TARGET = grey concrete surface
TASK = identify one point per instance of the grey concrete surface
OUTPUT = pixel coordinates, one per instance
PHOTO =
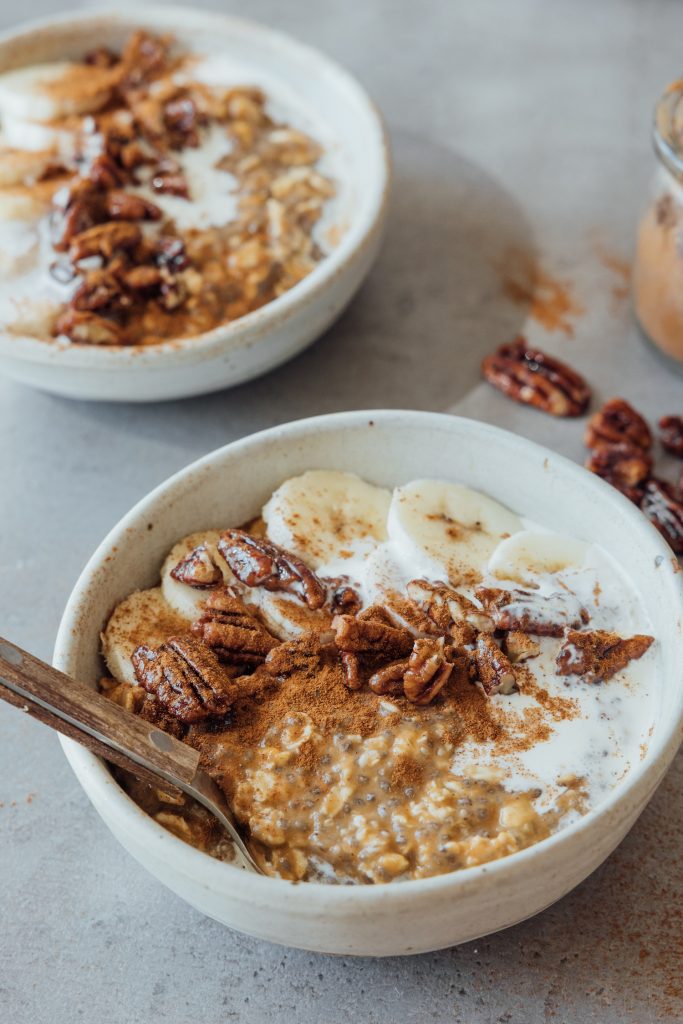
(517, 126)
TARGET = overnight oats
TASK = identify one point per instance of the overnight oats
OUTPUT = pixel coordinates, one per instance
(152, 194)
(387, 685)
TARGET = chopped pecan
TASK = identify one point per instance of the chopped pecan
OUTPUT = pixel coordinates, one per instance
(529, 375)
(625, 466)
(170, 252)
(371, 636)
(168, 179)
(301, 655)
(186, 678)
(105, 240)
(104, 173)
(197, 569)
(494, 669)
(665, 511)
(99, 290)
(448, 609)
(520, 647)
(78, 217)
(352, 670)
(428, 670)
(237, 636)
(88, 328)
(143, 278)
(531, 612)
(597, 655)
(100, 57)
(182, 120)
(259, 563)
(671, 434)
(388, 680)
(122, 205)
(342, 598)
(617, 422)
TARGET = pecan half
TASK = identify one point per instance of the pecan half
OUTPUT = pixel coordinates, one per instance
(353, 675)
(388, 680)
(237, 636)
(671, 434)
(197, 569)
(186, 678)
(448, 609)
(528, 375)
(494, 669)
(617, 422)
(122, 205)
(259, 563)
(520, 647)
(428, 670)
(105, 240)
(665, 511)
(597, 655)
(86, 328)
(371, 636)
(530, 612)
(342, 598)
(625, 466)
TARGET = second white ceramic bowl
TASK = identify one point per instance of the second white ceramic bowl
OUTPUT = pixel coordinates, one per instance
(387, 448)
(356, 145)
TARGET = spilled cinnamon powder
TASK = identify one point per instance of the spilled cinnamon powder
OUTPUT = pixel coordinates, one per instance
(550, 300)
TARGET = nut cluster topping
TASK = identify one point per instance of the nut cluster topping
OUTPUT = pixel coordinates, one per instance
(259, 563)
(198, 569)
(528, 375)
(238, 638)
(597, 655)
(186, 678)
(149, 285)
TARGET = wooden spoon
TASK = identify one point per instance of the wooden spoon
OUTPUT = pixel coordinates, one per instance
(83, 714)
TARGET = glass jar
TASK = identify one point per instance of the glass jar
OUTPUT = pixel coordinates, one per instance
(658, 268)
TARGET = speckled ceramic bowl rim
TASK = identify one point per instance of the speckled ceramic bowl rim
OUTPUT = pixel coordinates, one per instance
(638, 786)
(248, 329)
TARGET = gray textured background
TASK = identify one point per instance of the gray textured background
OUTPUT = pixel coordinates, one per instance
(516, 126)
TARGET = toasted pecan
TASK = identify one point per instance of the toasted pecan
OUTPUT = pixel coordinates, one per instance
(597, 655)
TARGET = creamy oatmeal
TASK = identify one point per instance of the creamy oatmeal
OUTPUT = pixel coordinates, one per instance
(149, 194)
(387, 685)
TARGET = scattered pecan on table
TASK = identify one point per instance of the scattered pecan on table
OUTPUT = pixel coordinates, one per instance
(197, 569)
(671, 434)
(259, 563)
(664, 508)
(227, 626)
(598, 655)
(625, 466)
(186, 678)
(615, 423)
(528, 375)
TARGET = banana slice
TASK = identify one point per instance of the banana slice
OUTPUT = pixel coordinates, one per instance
(181, 597)
(447, 530)
(286, 617)
(325, 516)
(62, 136)
(143, 618)
(45, 92)
(18, 166)
(529, 553)
(29, 202)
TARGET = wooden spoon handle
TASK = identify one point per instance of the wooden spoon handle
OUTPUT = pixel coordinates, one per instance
(80, 712)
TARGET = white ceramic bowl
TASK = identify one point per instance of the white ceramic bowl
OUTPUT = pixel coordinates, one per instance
(388, 448)
(350, 128)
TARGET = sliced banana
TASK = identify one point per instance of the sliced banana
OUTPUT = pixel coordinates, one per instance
(144, 617)
(181, 597)
(529, 553)
(45, 92)
(63, 136)
(326, 517)
(18, 166)
(447, 530)
(286, 617)
(29, 202)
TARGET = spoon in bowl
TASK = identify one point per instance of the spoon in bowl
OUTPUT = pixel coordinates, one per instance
(84, 715)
